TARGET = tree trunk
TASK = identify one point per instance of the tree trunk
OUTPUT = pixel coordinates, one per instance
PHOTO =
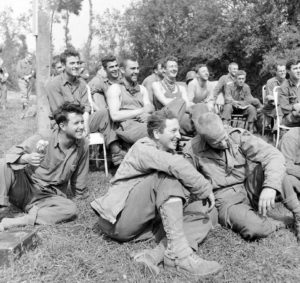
(67, 36)
(90, 36)
(43, 66)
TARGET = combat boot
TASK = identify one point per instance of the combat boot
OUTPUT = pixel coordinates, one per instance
(179, 254)
(293, 205)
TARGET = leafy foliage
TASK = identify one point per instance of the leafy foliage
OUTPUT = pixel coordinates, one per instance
(12, 34)
(254, 33)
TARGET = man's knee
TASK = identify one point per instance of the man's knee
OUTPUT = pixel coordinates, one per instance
(227, 111)
(55, 212)
(168, 187)
(252, 231)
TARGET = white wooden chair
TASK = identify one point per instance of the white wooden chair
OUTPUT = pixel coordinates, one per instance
(278, 125)
(264, 94)
(97, 139)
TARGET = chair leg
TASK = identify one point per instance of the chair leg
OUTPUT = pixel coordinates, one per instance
(105, 160)
(278, 136)
(263, 125)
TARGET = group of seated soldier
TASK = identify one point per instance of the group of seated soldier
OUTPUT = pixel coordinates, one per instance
(225, 174)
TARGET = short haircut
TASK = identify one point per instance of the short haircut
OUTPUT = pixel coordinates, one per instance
(157, 63)
(157, 121)
(60, 115)
(68, 53)
(198, 66)
(56, 59)
(169, 58)
(108, 58)
(127, 57)
(232, 63)
(292, 61)
(240, 73)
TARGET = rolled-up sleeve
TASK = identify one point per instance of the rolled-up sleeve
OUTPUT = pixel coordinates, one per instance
(13, 155)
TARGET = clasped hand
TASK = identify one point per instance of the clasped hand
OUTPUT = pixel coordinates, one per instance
(33, 158)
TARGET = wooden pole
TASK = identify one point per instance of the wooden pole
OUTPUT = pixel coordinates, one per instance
(43, 52)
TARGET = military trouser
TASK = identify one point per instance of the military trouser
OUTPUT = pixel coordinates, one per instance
(100, 122)
(237, 207)
(17, 188)
(140, 220)
(250, 112)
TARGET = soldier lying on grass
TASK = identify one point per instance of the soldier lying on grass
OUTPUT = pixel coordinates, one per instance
(34, 177)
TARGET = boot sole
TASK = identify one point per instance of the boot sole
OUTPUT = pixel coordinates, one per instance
(181, 271)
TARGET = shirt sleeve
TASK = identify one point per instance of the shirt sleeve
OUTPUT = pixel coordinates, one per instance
(84, 98)
(290, 149)
(96, 85)
(283, 99)
(174, 165)
(80, 175)
(13, 155)
(228, 95)
(219, 87)
(257, 150)
(248, 96)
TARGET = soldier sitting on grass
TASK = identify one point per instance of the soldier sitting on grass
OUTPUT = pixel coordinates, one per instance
(34, 176)
(246, 174)
(153, 188)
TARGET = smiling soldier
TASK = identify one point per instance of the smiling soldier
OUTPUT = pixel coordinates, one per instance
(69, 87)
(153, 188)
(34, 176)
(128, 102)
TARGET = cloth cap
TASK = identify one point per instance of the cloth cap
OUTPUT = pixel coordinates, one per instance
(210, 127)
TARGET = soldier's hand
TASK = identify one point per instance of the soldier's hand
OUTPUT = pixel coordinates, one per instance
(266, 201)
(33, 158)
(143, 117)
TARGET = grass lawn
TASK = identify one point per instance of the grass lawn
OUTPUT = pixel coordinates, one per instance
(78, 252)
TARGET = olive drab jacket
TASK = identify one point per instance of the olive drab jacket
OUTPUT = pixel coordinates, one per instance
(230, 167)
(142, 159)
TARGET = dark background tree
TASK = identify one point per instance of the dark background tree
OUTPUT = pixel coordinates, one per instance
(253, 33)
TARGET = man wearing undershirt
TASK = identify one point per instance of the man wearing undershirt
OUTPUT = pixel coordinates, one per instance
(169, 93)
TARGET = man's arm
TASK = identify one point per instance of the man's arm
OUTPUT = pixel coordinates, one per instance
(23, 154)
(248, 96)
(185, 96)
(228, 95)
(219, 87)
(191, 88)
(80, 175)
(290, 149)
(283, 99)
(148, 106)
(149, 158)
(272, 161)
(158, 92)
(114, 103)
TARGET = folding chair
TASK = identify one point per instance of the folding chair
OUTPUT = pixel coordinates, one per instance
(278, 126)
(264, 93)
(97, 139)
